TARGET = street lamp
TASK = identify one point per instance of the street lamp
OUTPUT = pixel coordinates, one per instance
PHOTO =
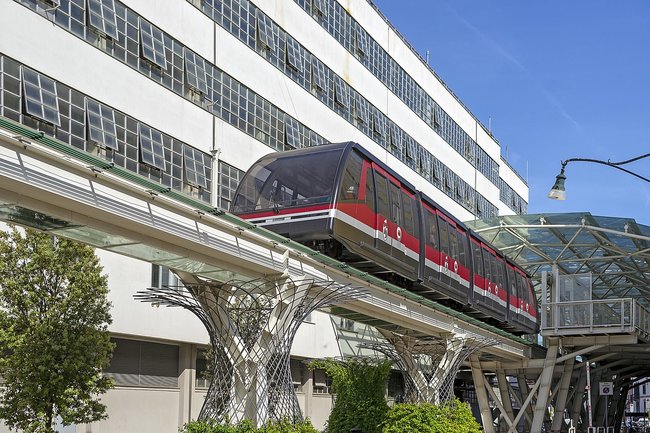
(558, 191)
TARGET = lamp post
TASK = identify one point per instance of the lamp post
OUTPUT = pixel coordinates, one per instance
(558, 191)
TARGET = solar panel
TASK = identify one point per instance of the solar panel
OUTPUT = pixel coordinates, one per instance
(40, 97)
(195, 75)
(152, 43)
(195, 163)
(152, 151)
(102, 16)
(101, 124)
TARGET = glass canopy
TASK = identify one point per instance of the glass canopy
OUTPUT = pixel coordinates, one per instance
(616, 251)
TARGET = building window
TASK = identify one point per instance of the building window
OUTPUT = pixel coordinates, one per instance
(101, 16)
(40, 96)
(291, 133)
(395, 139)
(379, 123)
(294, 54)
(196, 163)
(144, 364)
(411, 150)
(202, 372)
(319, 8)
(360, 41)
(361, 111)
(296, 367)
(318, 78)
(341, 95)
(152, 43)
(322, 383)
(195, 75)
(163, 277)
(152, 151)
(101, 124)
(265, 35)
(229, 178)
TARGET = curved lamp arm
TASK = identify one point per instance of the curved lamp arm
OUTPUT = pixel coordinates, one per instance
(558, 192)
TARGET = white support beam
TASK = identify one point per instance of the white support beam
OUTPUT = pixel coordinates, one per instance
(545, 380)
(481, 395)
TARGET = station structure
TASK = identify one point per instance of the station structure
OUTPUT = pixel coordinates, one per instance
(127, 126)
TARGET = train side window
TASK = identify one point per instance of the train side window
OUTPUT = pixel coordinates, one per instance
(408, 214)
(501, 270)
(351, 178)
(383, 204)
(395, 204)
(478, 259)
(453, 242)
(432, 230)
(416, 217)
(487, 265)
(444, 239)
(462, 248)
(512, 281)
(370, 190)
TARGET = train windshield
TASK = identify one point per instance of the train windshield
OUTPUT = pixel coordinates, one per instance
(286, 180)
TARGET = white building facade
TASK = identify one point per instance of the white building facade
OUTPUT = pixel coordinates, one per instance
(189, 93)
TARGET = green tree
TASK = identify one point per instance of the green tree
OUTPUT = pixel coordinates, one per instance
(54, 342)
(360, 387)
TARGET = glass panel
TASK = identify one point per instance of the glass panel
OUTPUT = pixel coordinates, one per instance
(195, 163)
(280, 181)
(318, 78)
(195, 75)
(152, 151)
(27, 217)
(40, 97)
(101, 14)
(294, 54)
(291, 133)
(101, 124)
(341, 95)
(265, 31)
(152, 42)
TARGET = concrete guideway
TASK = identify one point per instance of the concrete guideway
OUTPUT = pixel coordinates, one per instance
(61, 194)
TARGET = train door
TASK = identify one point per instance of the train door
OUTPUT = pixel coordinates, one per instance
(409, 238)
(445, 251)
(382, 217)
(514, 293)
(395, 224)
(432, 247)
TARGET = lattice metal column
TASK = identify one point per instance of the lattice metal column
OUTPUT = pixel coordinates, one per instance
(251, 325)
(429, 365)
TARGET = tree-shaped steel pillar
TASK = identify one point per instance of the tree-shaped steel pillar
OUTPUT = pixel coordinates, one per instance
(429, 365)
(251, 325)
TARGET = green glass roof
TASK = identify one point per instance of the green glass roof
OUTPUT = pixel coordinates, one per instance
(616, 251)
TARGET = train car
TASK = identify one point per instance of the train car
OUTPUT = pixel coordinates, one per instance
(340, 200)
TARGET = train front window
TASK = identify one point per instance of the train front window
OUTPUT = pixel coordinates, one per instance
(351, 179)
(279, 181)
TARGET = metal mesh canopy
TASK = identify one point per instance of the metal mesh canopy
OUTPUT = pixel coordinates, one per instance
(616, 251)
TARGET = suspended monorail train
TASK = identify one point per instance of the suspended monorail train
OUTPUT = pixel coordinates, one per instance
(340, 200)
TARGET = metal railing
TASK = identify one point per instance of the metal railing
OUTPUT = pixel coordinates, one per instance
(605, 316)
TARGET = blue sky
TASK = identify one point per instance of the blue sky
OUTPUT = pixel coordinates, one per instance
(559, 79)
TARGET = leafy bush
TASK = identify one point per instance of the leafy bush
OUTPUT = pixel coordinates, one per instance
(428, 418)
(360, 394)
(247, 426)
